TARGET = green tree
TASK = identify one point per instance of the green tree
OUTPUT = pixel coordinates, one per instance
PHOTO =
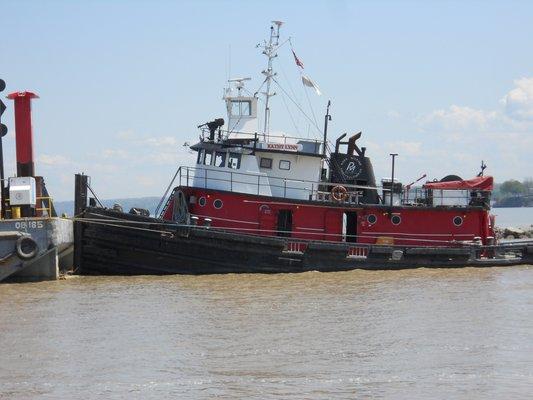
(512, 187)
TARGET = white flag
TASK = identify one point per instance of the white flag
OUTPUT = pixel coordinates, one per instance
(308, 82)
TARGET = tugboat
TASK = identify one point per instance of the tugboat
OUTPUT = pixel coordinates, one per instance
(262, 202)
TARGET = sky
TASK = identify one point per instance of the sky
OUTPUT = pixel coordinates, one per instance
(123, 84)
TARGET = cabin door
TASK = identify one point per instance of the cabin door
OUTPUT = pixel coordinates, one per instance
(267, 221)
(284, 223)
(349, 226)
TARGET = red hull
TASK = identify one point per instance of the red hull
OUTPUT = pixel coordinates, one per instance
(405, 225)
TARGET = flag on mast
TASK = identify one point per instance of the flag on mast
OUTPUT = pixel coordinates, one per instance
(297, 60)
(309, 83)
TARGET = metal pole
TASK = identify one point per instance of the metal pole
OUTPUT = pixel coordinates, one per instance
(393, 155)
(2, 182)
(270, 50)
(3, 132)
(326, 119)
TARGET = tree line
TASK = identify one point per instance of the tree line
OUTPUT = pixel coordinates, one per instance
(513, 193)
(513, 187)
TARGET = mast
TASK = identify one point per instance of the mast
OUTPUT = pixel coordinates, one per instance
(327, 118)
(270, 50)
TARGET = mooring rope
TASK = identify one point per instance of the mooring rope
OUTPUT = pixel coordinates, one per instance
(253, 231)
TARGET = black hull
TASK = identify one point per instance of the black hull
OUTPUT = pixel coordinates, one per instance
(135, 245)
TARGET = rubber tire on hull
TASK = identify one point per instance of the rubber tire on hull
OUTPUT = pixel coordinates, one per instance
(26, 247)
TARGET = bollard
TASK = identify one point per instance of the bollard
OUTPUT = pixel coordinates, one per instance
(15, 212)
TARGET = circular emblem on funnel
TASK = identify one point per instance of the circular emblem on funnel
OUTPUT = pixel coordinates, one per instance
(351, 167)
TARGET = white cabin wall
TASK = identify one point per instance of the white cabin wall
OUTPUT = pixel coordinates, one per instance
(286, 183)
(297, 183)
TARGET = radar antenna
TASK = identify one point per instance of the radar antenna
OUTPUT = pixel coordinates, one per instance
(239, 82)
(483, 167)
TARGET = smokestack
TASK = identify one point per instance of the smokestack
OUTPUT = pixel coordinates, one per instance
(23, 132)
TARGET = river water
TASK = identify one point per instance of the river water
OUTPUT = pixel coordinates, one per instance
(519, 217)
(415, 334)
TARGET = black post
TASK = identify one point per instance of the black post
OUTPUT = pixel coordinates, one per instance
(80, 203)
(327, 118)
(2, 183)
(3, 132)
(392, 178)
(80, 194)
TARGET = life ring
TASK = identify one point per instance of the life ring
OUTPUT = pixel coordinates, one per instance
(339, 193)
(26, 247)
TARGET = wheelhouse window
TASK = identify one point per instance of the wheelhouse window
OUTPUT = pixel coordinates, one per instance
(220, 159)
(240, 107)
(285, 165)
(201, 155)
(265, 163)
(234, 160)
(208, 158)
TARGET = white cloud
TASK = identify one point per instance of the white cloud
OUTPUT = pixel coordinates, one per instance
(126, 135)
(147, 181)
(130, 137)
(115, 154)
(502, 136)
(393, 114)
(160, 141)
(515, 114)
(460, 118)
(518, 102)
(404, 148)
(53, 159)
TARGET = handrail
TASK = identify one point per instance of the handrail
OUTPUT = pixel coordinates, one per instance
(167, 190)
(50, 204)
(252, 134)
(47, 209)
(413, 196)
(348, 186)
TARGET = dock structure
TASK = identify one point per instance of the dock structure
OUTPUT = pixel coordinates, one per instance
(34, 243)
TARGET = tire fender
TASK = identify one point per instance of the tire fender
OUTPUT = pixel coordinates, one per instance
(26, 247)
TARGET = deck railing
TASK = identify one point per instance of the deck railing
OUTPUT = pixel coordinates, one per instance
(262, 184)
(259, 183)
(46, 202)
(256, 183)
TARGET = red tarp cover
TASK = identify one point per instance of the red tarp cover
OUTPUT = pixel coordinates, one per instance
(479, 183)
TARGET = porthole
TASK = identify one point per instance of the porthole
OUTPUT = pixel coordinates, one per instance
(371, 219)
(458, 221)
(264, 209)
(218, 204)
(396, 220)
(202, 201)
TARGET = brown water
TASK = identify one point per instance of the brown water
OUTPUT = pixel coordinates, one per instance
(417, 334)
